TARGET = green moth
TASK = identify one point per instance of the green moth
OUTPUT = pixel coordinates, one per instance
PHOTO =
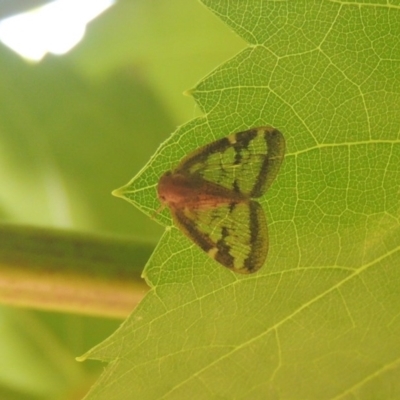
(211, 196)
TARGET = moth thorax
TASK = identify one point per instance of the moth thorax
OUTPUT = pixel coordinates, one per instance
(174, 188)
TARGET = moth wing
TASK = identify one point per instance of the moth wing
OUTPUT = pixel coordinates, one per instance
(246, 162)
(235, 234)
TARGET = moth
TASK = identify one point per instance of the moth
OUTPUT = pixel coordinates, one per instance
(211, 196)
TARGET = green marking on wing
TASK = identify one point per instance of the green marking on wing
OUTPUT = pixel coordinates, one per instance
(247, 161)
(235, 235)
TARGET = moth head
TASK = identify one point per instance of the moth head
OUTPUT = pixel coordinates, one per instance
(175, 188)
(163, 186)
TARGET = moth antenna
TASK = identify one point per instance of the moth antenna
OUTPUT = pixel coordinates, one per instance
(158, 211)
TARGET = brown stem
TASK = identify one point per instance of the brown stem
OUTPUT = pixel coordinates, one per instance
(66, 271)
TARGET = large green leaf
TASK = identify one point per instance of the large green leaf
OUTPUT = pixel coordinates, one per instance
(321, 319)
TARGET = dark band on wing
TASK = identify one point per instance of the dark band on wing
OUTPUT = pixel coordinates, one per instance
(201, 155)
(223, 255)
(243, 140)
(275, 144)
(219, 146)
(258, 242)
(201, 239)
(236, 187)
(221, 248)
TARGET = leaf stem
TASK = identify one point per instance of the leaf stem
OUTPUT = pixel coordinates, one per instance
(66, 271)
